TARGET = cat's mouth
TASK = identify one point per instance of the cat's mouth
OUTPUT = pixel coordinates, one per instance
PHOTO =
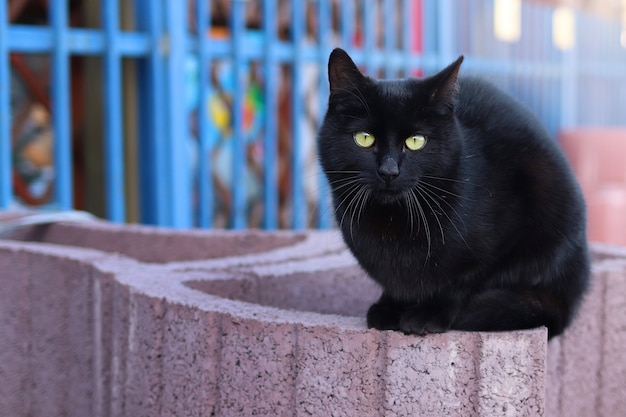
(388, 195)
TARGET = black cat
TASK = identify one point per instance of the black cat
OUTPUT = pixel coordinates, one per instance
(453, 197)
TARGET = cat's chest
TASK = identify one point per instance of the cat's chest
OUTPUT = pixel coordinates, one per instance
(395, 226)
(389, 237)
(393, 252)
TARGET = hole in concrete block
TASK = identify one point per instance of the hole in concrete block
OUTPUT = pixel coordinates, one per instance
(343, 291)
(154, 245)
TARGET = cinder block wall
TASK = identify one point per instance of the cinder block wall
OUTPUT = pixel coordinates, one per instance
(107, 320)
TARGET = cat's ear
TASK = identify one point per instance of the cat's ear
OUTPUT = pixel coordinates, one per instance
(343, 73)
(445, 86)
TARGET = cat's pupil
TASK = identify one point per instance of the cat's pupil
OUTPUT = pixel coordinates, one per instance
(415, 142)
(364, 139)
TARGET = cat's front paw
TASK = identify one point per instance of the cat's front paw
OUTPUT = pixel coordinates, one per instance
(384, 316)
(422, 322)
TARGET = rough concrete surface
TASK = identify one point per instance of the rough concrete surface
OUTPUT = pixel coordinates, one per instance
(272, 327)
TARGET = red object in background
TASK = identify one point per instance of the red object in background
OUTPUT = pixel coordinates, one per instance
(598, 157)
(417, 40)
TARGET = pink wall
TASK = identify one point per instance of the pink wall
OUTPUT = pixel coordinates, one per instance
(598, 157)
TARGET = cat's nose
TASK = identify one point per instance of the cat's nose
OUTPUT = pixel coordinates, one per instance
(388, 170)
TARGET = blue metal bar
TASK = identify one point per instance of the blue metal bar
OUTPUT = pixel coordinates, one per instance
(477, 14)
(408, 24)
(80, 41)
(61, 107)
(297, 110)
(178, 136)
(113, 136)
(369, 33)
(347, 19)
(154, 180)
(157, 119)
(270, 146)
(390, 14)
(6, 172)
(445, 31)
(430, 35)
(205, 180)
(146, 163)
(237, 30)
(324, 212)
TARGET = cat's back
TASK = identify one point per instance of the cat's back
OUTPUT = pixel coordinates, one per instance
(503, 128)
(484, 106)
(506, 138)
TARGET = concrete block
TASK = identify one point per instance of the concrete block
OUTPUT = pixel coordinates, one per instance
(280, 332)
(257, 367)
(158, 245)
(579, 357)
(461, 374)
(191, 361)
(585, 373)
(339, 369)
(612, 387)
(16, 383)
(143, 387)
(46, 327)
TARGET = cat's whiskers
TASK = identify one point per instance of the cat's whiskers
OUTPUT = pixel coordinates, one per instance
(343, 172)
(345, 210)
(442, 198)
(345, 200)
(352, 197)
(409, 209)
(343, 195)
(464, 181)
(433, 177)
(349, 178)
(356, 198)
(366, 197)
(434, 197)
(322, 178)
(344, 182)
(413, 212)
(424, 222)
(434, 212)
(443, 190)
(360, 201)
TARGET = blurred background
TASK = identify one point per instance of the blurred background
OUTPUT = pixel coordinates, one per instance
(204, 113)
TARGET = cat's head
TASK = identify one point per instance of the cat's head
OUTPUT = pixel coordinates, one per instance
(387, 135)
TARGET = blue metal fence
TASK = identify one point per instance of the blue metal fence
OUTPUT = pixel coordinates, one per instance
(5, 114)
(236, 167)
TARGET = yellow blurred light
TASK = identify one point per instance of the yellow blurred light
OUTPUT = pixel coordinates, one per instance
(564, 28)
(623, 35)
(507, 20)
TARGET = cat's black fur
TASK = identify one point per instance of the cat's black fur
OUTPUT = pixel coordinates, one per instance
(482, 229)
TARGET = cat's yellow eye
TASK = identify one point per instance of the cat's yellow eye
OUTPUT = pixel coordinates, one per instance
(364, 139)
(415, 142)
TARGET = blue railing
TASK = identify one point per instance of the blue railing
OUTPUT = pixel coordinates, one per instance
(258, 92)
